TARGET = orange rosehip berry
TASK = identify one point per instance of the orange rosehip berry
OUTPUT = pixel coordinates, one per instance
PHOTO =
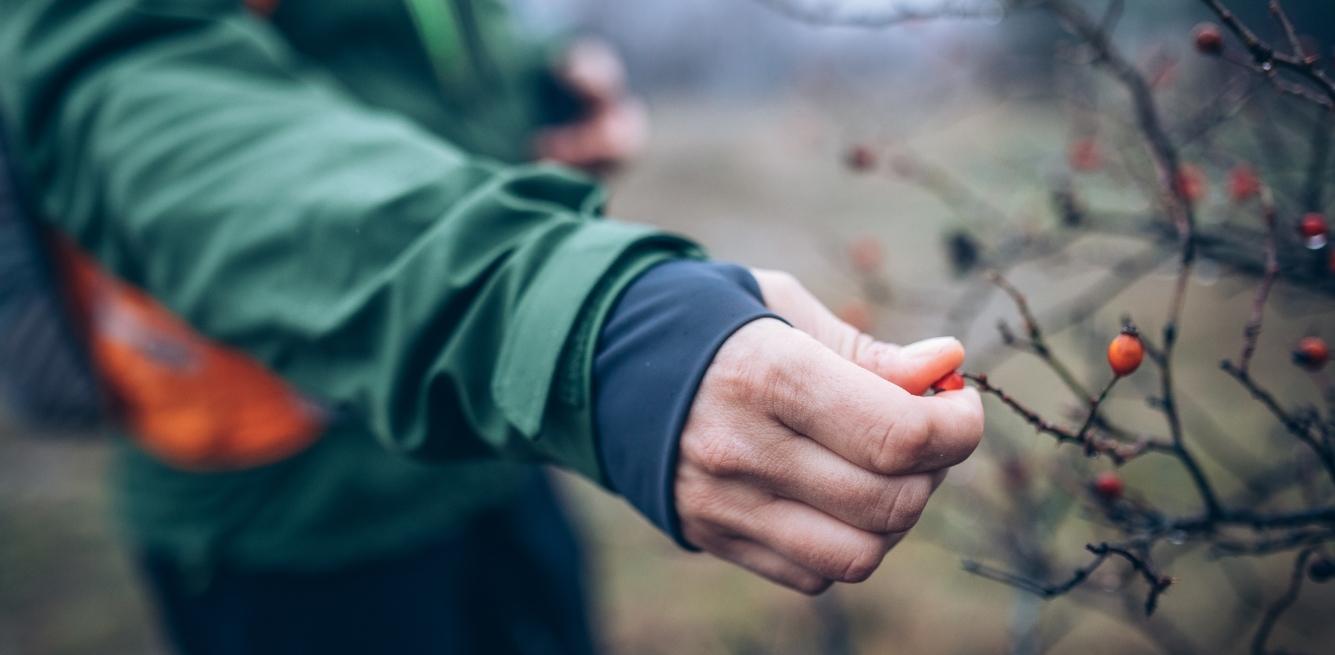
(1109, 485)
(1208, 39)
(1125, 353)
(1243, 184)
(860, 158)
(1312, 225)
(1311, 353)
(1084, 155)
(1191, 182)
(952, 381)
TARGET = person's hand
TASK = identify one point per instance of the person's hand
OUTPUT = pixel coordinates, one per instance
(612, 127)
(808, 452)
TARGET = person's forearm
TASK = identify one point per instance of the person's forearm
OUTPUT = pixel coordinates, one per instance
(442, 300)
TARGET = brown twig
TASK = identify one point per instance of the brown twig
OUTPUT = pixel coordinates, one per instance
(1119, 452)
(1268, 545)
(1267, 59)
(1157, 583)
(1094, 413)
(1252, 331)
(1306, 431)
(1281, 604)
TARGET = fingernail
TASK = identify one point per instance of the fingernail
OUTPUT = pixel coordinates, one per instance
(929, 348)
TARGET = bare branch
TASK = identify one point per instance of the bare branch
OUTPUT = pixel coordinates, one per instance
(1281, 604)
(1157, 583)
(1265, 58)
(1252, 331)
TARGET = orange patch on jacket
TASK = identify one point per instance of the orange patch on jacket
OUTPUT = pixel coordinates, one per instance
(191, 402)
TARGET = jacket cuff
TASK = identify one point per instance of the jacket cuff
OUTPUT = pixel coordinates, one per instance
(653, 350)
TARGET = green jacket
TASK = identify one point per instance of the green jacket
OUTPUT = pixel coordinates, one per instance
(309, 190)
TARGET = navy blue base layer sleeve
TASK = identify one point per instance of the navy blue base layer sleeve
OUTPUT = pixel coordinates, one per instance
(652, 353)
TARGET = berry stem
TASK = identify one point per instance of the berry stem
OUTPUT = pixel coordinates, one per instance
(1094, 413)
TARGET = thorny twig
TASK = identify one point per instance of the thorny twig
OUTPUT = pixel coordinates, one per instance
(1266, 59)
(1118, 451)
(1219, 523)
(1252, 331)
(1281, 604)
(1307, 430)
(1157, 583)
(1180, 209)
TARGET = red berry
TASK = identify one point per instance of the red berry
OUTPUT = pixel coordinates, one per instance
(1084, 155)
(866, 255)
(1015, 474)
(1190, 182)
(1243, 184)
(952, 381)
(1109, 485)
(858, 314)
(1125, 353)
(1312, 225)
(1311, 353)
(860, 158)
(1209, 40)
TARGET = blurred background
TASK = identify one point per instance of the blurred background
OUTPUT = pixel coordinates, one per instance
(753, 114)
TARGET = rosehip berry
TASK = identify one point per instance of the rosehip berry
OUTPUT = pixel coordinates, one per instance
(1312, 228)
(1322, 569)
(1015, 474)
(1312, 225)
(1243, 185)
(866, 255)
(1190, 182)
(1125, 352)
(1108, 485)
(1311, 353)
(1084, 155)
(860, 158)
(952, 381)
(1209, 40)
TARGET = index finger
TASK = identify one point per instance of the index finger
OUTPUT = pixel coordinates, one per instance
(869, 421)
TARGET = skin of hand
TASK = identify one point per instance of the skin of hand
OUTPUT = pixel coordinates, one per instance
(809, 451)
(614, 125)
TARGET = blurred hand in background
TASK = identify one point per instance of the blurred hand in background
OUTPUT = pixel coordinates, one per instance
(610, 127)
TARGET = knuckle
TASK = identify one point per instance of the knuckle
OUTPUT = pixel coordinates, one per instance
(812, 585)
(861, 561)
(910, 500)
(719, 456)
(898, 442)
(744, 372)
(697, 500)
(975, 425)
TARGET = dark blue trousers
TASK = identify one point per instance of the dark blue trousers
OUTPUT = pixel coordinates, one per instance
(511, 582)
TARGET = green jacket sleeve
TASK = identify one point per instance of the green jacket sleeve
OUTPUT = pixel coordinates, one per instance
(449, 303)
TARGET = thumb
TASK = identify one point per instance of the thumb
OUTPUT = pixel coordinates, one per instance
(915, 366)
